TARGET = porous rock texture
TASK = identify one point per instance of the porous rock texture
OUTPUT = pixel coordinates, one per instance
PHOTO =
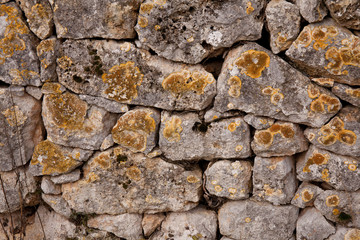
(180, 120)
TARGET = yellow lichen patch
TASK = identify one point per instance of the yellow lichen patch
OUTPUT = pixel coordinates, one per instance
(92, 177)
(326, 82)
(67, 110)
(19, 77)
(323, 103)
(272, 191)
(238, 148)
(276, 95)
(353, 92)
(304, 38)
(325, 175)
(14, 116)
(51, 87)
(352, 167)
(157, 27)
(247, 219)
(180, 82)
(353, 234)
(334, 131)
(143, 21)
(235, 86)
(317, 159)
(249, 8)
(253, 62)
(146, 8)
(133, 173)
(263, 137)
(126, 46)
(160, 2)
(332, 201)
(336, 211)
(45, 46)
(103, 160)
(232, 126)
(218, 188)
(306, 195)
(64, 62)
(313, 91)
(133, 128)
(266, 137)
(346, 136)
(38, 13)
(173, 129)
(190, 39)
(232, 191)
(192, 179)
(52, 158)
(122, 81)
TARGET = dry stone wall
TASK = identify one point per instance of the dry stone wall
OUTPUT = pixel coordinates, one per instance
(178, 119)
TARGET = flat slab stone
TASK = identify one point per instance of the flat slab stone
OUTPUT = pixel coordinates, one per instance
(347, 93)
(188, 31)
(184, 137)
(306, 195)
(326, 49)
(256, 81)
(121, 181)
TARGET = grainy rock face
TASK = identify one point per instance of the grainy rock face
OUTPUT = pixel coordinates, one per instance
(180, 120)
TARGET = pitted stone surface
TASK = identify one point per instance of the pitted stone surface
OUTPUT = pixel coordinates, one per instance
(347, 93)
(312, 10)
(306, 195)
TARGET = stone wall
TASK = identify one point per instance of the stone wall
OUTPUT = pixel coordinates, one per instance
(177, 119)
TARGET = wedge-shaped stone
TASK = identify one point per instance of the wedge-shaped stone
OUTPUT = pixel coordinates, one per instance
(347, 93)
(306, 195)
(47, 50)
(256, 81)
(184, 137)
(121, 72)
(118, 181)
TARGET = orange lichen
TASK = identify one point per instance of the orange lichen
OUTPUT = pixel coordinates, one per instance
(173, 129)
(122, 81)
(275, 94)
(306, 196)
(235, 86)
(336, 211)
(51, 87)
(247, 220)
(47, 45)
(133, 128)
(332, 201)
(238, 148)
(304, 38)
(353, 92)
(325, 175)
(352, 167)
(334, 131)
(218, 188)
(326, 82)
(133, 173)
(160, 2)
(249, 8)
(321, 100)
(157, 27)
(317, 159)
(232, 126)
(346, 136)
(253, 62)
(146, 8)
(103, 160)
(266, 137)
(64, 62)
(52, 158)
(181, 82)
(232, 191)
(192, 179)
(313, 91)
(14, 116)
(143, 21)
(352, 234)
(23, 76)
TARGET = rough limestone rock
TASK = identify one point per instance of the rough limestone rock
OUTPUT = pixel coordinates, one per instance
(184, 137)
(96, 68)
(21, 128)
(326, 49)
(197, 223)
(213, 115)
(58, 204)
(229, 179)
(346, 12)
(91, 19)
(118, 181)
(274, 179)
(256, 81)
(253, 220)
(281, 139)
(53, 159)
(347, 93)
(312, 10)
(188, 31)
(126, 225)
(258, 122)
(343, 233)
(71, 122)
(19, 64)
(340, 135)
(108, 105)
(35, 92)
(107, 143)
(340, 206)
(306, 195)
(311, 225)
(340, 172)
(48, 187)
(137, 129)
(47, 52)
(151, 222)
(283, 22)
(39, 16)
(66, 177)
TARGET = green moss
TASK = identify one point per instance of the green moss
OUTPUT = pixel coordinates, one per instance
(344, 217)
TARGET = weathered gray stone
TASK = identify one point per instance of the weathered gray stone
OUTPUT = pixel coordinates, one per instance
(258, 122)
(311, 225)
(151, 222)
(67, 177)
(126, 225)
(108, 105)
(281, 139)
(214, 115)
(347, 93)
(117, 181)
(156, 152)
(347, 13)
(312, 10)
(107, 143)
(343, 233)
(97, 68)
(252, 220)
(184, 137)
(256, 81)
(340, 135)
(39, 16)
(306, 195)
(274, 179)
(89, 19)
(53, 159)
(340, 172)
(48, 187)
(326, 49)
(137, 129)
(47, 52)
(71, 122)
(283, 22)
(18, 60)
(229, 179)
(21, 128)
(188, 31)
(35, 92)
(197, 223)
(58, 204)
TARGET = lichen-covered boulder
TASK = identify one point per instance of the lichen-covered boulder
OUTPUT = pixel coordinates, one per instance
(90, 18)
(340, 172)
(47, 51)
(312, 10)
(19, 64)
(121, 72)
(345, 12)
(21, 128)
(340, 135)
(306, 195)
(347, 93)
(258, 122)
(256, 81)
(253, 220)
(184, 137)
(326, 49)
(118, 181)
(229, 179)
(188, 31)
(274, 179)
